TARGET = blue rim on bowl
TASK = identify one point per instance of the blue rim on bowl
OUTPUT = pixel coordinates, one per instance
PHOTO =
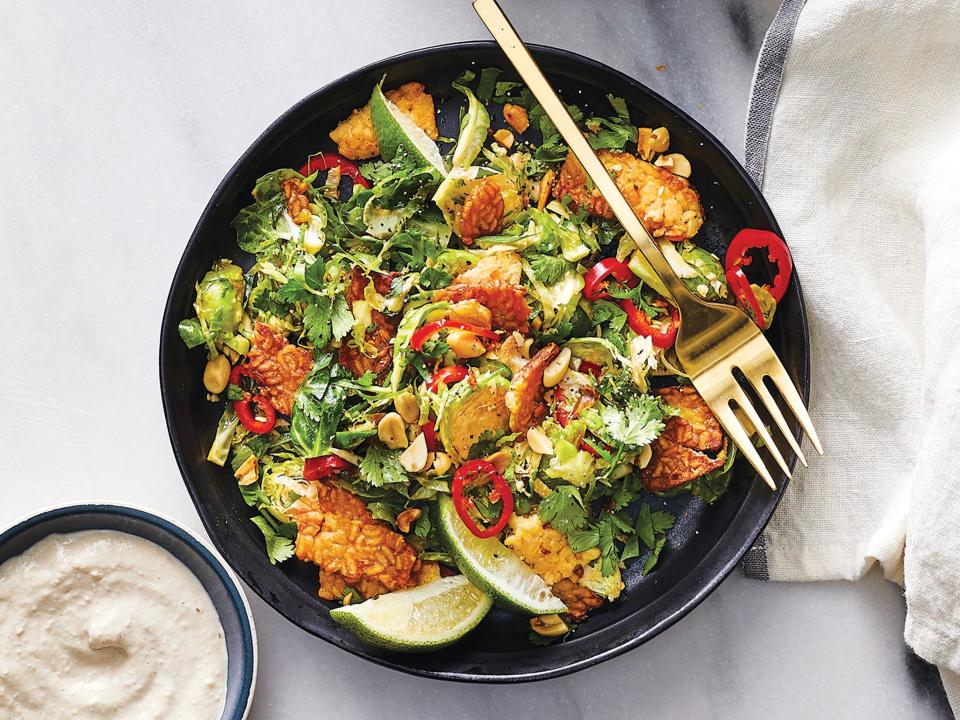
(217, 579)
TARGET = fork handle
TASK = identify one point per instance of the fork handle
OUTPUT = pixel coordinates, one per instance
(513, 47)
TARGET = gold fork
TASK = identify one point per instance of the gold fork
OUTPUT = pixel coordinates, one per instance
(714, 340)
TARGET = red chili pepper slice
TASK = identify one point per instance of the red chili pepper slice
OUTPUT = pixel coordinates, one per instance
(447, 375)
(429, 430)
(480, 472)
(595, 281)
(590, 368)
(244, 408)
(744, 293)
(639, 322)
(777, 252)
(325, 466)
(430, 329)
(326, 161)
(591, 446)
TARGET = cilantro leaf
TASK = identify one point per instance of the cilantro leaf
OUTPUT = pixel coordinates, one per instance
(662, 521)
(275, 535)
(609, 557)
(548, 269)
(619, 106)
(654, 556)
(317, 409)
(636, 424)
(313, 275)
(615, 132)
(341, 319)
(581, 540)
(435, 278)
(488, 81)
(605, 311)
(381, 467)
(563, 509)
(316, 322)
(293, 291)
(652, 530)
(423, 526)
(644, 527)
(631, 549)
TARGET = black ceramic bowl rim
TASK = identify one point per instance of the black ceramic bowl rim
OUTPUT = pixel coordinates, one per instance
(739, 538)
(182, 535)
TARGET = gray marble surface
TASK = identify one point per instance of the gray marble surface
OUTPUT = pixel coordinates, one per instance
(117, 120)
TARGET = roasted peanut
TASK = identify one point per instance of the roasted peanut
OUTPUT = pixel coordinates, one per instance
(465, 344)
(539, 442)
(406, 519)
(391, 431)
(216, 374)
(549, 626)
(441, 463)
(470, 311)
(650, 142)
(414, 458)
(504, 138)
(675, 163)
(643, 459)
(546, 185)
(406, 405)
(554, 372)
(247, 474)
(500, 460)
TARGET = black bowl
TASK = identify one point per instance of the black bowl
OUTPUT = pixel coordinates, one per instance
(706, 543)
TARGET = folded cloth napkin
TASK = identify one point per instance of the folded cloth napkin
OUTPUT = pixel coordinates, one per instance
(859, 155)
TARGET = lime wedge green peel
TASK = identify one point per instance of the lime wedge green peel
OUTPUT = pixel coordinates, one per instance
(394, 131)
(473, 130)
(420, 619)
(494, 568)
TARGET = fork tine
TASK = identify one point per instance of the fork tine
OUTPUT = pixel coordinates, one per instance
(743, 401)
(774, 409)
(786, 387)
(735, 430)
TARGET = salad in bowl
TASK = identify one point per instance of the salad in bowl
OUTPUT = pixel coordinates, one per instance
(447, 375)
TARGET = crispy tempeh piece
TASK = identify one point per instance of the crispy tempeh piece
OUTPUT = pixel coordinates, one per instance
(666, 203)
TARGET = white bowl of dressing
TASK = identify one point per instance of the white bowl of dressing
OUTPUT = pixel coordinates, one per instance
(112, 610)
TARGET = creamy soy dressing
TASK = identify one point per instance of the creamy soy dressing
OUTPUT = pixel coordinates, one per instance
(102, 624)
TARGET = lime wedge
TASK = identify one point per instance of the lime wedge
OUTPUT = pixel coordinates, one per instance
(420, 619)
(473, 130)
(494, 568)
(394, 131)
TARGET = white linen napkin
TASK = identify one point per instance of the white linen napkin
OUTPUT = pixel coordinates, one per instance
(862, 169)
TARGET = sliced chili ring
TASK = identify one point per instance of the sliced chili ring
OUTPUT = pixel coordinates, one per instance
(480, 472)
(640, 323)
(447, 375)
(591, 368)
(327, 161)
(244, 407)
(777, 252)
(244, 410)
(325, 466)
(595, 281)
(744, 293)
(429, 430)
